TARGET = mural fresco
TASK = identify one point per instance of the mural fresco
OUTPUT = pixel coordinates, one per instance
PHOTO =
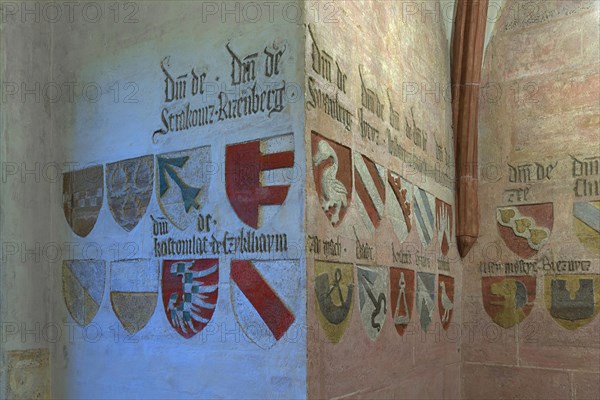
(28, 374)
(525, 229)
(261, 295)
(446, 299)
(182, 184)
(190, 289)
(586, 218)
(83, 193)
(572, 300)
(508, 300)
(425, 298)
(400, 204)
(83, 288)
(332, 170)
(129, 189)
(443, 224)
(424, 207)
(245, 167)
(369, 184)
(402, 297)
(334, 288)
(134, 292)
(372, 298)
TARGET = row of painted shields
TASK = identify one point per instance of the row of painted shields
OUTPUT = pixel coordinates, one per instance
(182, 184)
(190, 289)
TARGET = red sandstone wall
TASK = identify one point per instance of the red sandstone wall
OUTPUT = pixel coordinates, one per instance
(531, 285)
(401, 51)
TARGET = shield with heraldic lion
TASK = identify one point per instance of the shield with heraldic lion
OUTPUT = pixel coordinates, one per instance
(508, 300)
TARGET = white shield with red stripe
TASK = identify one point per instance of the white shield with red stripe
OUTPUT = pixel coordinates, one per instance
(264, 296)
(369, 183)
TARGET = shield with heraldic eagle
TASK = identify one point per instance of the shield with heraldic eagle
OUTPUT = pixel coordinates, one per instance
(190, 289)
(129, 189)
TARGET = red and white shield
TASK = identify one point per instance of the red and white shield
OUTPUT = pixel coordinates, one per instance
(263, 294)
(189, 290)
(443, 224)
(254, 173)
(399, 199)
(445, 299)
(332, 170)
(402, 297)
(370, 187)
(525, 229)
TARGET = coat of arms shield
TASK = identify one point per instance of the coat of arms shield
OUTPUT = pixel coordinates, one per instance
(332, 170)
(83, 192)
(190, 289)
(83, 288)
(129, 189)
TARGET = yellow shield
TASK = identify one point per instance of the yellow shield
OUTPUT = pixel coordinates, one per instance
(334, 289)
(572, 300)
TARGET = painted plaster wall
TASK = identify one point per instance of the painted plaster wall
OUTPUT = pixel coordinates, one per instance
(26, 147)
(120, 94)
(395, 57)
(525, 334)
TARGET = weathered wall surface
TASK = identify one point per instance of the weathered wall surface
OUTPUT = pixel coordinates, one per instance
(26, 148)
(531, 286)
(178, 211)
(383, 271)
